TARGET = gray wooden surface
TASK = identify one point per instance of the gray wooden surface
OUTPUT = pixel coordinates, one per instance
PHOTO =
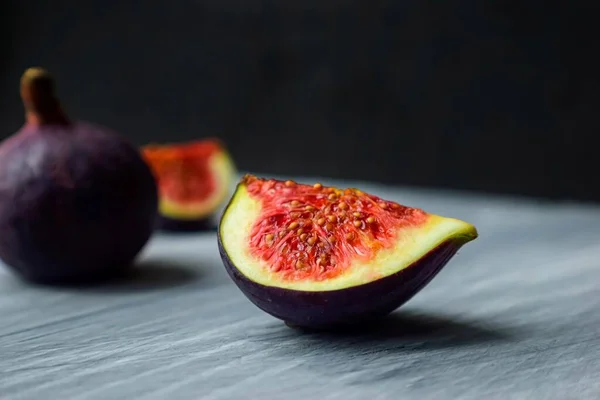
(515, 315)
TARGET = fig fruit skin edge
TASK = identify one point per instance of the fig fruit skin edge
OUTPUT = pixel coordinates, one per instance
(175, 166)
(77, 201)
(366, 291)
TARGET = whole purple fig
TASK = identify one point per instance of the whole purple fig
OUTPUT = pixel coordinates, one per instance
(77, 201)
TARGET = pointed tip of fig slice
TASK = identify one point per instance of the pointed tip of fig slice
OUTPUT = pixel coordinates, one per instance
(318, 257)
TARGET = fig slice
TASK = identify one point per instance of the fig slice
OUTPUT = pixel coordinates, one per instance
(194, 181)
(316, 256)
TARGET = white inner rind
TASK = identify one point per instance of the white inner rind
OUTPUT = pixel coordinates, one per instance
(223, 171)
(411, 245)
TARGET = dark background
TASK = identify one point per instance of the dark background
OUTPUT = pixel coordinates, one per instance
(498, 96)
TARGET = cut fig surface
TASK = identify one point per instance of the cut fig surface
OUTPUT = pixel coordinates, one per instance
(315, 255)
(194, 180)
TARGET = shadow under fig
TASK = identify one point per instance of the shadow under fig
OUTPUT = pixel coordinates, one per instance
(413, 329)
(148, 275)
(183, 230)
(410, 343)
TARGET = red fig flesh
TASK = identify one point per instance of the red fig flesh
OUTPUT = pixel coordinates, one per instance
(194, 181)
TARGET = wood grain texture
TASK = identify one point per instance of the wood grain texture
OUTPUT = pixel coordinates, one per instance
(513, 316)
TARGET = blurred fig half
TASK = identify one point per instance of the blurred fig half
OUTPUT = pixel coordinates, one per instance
(194, 180)
(77, 201)
(321, 257)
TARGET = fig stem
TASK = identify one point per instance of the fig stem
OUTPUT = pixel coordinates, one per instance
(38, 94)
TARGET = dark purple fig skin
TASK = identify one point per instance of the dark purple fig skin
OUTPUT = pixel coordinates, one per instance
(351, 306)
(77, 203)
(167, 224)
